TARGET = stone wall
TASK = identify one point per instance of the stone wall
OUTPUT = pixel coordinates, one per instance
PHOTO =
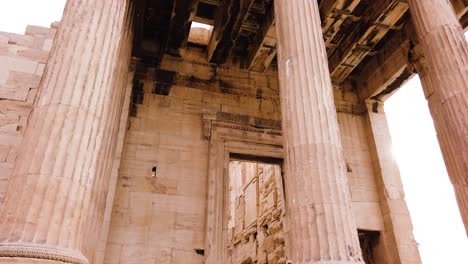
(22, 63)
(361, 176)
(162, 219)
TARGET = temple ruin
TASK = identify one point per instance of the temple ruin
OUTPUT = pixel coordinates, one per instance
(222, 131)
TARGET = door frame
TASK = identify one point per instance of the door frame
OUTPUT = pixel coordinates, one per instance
(226, 138)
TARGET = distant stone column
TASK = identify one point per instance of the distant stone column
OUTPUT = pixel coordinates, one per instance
(56, 198)
(445, 82)
(321, 226)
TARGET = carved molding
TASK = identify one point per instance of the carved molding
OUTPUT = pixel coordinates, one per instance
(239, 122)
(229, 138)
(34, 251)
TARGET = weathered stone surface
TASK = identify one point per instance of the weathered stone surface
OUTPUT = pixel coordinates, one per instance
(253, 221)
(55, 202)
(317, 191)
(19, 80)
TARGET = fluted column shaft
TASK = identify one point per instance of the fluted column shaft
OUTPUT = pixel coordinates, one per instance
(321, 226)
(445, 81)
(56, 198)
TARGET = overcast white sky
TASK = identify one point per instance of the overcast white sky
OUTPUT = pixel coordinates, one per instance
(437, 224)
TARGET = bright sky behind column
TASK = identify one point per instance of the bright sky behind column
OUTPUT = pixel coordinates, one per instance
(438, 228)
(437, 223)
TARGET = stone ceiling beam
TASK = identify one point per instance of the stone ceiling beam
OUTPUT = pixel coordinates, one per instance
(379, 77)
(263, 48)
(333, 14)
(460, 6)
(382, 71)
(182, 18)
(229, 19)
(360, 43)
(152, 26)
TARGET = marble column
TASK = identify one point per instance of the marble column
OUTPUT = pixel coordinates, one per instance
(445, 81)
(321, 226)
(56, 198)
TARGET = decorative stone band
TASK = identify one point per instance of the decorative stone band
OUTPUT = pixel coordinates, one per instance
(239, 122)
(35, 251)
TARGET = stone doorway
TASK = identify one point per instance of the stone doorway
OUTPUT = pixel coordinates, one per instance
(254, 216)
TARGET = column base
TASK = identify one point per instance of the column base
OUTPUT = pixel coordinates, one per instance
(34, 253)
(28, 261)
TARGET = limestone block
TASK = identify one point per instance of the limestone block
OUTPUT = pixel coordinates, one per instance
(161, 255)
(262, 257)
(3, 153)
(38, 42)
(251, 205)
(114, 250)
(282, 260)
(4, 69)
(198, 241)
(278, 238)
(245, 252)
(55, 24)
(37, 30)
(368, 215)
(181, 257)
(13, 93)
(21, 65)
(8, 121)
(188, 222)
(183, 239)
(239, 215)
(4, 39)
(195, 94)
(6, 50)
(273, 258)
(136, 253)
(13, 140)
(47, 45)
(275, 227)
(360, 194)
(268, 202)
(268, 244)
(36, 55)
(21, 40)
(5, 171)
